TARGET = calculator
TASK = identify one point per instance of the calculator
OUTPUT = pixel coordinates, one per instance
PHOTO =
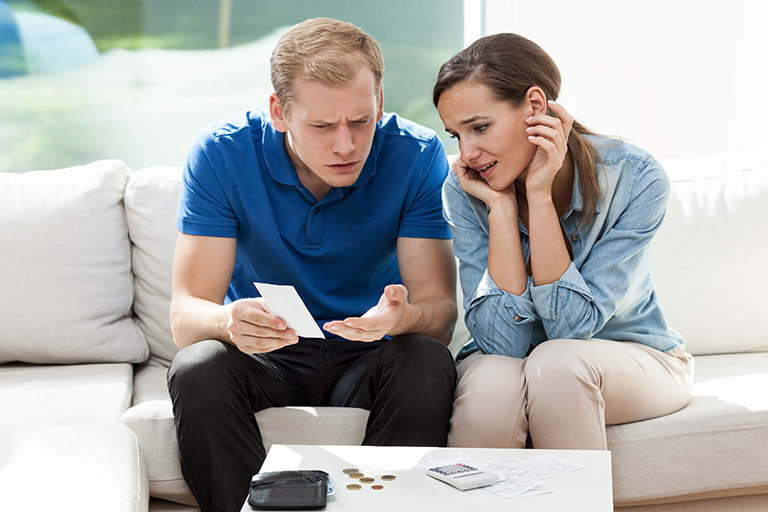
(463, 476)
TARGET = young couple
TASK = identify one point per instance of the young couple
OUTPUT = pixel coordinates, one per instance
(551, 224)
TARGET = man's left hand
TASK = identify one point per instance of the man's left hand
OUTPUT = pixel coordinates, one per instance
(378, 321)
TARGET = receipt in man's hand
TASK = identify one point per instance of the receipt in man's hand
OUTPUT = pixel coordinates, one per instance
(284, 301)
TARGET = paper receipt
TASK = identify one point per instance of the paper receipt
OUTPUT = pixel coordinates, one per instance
(284, 301)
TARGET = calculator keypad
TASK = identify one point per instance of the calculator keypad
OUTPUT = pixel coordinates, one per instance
(453, 469)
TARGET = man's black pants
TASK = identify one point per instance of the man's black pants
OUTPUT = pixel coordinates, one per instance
(407, 383)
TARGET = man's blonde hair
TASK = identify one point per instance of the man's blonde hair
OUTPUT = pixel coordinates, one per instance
(329, 51)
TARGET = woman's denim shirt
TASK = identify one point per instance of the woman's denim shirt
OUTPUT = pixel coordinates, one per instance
(607, 290)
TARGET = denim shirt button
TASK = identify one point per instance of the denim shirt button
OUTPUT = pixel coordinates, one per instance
(574, 237)
(516, 318)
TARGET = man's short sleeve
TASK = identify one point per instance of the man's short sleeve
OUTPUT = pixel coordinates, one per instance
(423, 215)
(205, 208)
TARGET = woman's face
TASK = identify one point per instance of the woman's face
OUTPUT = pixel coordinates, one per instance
(492, 134)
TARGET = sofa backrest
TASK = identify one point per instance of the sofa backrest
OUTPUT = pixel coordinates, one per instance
(66, 287)
(707, 260)
(152, 198)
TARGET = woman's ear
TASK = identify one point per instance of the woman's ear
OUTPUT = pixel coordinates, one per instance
(537, 100)
(277, 113)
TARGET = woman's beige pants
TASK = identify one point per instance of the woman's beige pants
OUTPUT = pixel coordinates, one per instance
(565, 393)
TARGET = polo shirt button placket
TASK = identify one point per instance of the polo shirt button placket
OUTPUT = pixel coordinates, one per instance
(313, 235)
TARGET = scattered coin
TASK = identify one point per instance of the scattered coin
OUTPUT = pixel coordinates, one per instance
(354, 487)
(349, 471)
(356, 475)
(377, 487)
(367, 480)
(388, 478)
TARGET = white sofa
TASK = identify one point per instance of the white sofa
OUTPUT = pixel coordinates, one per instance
(85, 418)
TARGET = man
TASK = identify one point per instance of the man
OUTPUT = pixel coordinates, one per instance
(332, 196)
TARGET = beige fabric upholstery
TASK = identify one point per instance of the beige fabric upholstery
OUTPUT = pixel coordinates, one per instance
(159, 505)
(711, 252)
(725, 426)
(151, 419)
(77, 468)
(719, 441)
(737, 503)
(151, 203)
(65, 267)
(38, 397)
(61, 445)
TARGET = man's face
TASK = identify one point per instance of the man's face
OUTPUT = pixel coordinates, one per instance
(329, 129)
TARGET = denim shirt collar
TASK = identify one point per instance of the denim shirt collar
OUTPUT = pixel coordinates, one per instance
(577, 199)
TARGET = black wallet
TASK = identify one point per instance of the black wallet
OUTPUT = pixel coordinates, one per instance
(281, 490)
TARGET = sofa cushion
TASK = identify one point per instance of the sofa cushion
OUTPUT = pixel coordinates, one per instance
(65, 267)
(151, 418)
(88, 467)
(710, 253)
(718, 442)
(37, 397)
(151, 202)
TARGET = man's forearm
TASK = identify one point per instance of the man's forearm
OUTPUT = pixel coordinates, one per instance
(194, 319)
(432, 317)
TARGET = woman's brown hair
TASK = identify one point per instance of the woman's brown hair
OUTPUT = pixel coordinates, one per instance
(509, 65)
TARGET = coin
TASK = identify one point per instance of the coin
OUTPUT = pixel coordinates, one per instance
(377, 487)
(354, 487)
(367, 480)
(349, 471)
(388, 478)
(356, 475)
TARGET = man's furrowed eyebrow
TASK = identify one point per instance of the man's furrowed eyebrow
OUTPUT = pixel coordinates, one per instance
(361, 117)
(471, 120)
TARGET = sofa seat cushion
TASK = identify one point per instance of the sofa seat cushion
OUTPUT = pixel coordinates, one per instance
(719, 442)
(65, 267)
(39, 397)
(86, 467)
(151, 419)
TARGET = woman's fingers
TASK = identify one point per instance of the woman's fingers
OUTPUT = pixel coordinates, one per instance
(565, 117)
(552, 134)
(549, 147)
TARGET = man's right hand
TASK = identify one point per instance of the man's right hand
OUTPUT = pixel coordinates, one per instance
(254, 329)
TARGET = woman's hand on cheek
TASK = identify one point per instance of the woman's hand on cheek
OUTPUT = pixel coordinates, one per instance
(471, 183)
(550, 135)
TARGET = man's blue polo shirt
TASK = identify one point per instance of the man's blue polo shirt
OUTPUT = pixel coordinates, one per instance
(339, 252)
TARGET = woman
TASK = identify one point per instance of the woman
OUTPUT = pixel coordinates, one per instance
(552, 226)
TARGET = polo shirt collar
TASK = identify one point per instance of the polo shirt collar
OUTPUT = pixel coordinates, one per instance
(282, 170)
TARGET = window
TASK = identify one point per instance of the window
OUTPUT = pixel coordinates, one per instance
(82, 80)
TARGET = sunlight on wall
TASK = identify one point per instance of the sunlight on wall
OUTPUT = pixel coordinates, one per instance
(678, 78)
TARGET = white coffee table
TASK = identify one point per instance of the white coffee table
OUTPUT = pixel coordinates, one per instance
(588, 489)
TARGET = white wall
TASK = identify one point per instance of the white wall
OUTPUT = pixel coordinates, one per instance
(676, 77)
